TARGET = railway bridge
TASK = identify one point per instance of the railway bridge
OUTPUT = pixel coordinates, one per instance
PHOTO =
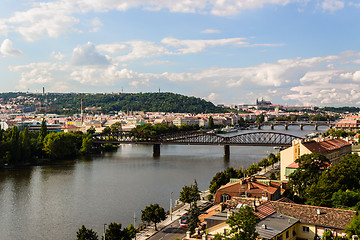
(199, 138)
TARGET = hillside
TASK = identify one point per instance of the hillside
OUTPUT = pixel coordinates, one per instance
(69, 103)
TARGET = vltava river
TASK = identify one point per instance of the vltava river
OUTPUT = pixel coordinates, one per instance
(53, 202)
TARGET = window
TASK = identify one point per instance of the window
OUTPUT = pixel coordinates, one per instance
(280, 237)
(305, 229)
(287, 234)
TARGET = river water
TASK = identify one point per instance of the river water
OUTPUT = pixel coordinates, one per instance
(53, 202)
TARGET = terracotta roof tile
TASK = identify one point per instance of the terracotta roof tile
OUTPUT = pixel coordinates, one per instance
(328, 217)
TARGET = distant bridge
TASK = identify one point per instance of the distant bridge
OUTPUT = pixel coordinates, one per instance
(286, 124)
(199, 138)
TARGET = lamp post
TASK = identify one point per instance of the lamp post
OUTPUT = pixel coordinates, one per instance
(104, 230)
(171, 206)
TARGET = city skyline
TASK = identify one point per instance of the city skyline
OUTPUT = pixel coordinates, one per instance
(291, 52)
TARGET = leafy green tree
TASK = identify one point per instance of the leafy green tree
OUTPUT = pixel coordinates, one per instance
(260, 118)
(309, 171)
(211, 123)
(61, 145)
(253, 169)
(193, 220)
(222, 178)
(86, 234)
(114, 232)
(116, 127)
(346, 198)
(86, 145)
(91, 130)
(243, 224)
(335, 178)
(43, 131)
(153, 213)
(106, 130)
(354, 226)
(190, 194)
(131, 231)
(327, 235)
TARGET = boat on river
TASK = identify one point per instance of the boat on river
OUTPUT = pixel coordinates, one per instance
(228, 129)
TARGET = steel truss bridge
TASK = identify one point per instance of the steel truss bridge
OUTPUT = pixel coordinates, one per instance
(200, 138)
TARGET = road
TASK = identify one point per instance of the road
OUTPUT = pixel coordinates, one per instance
(171, 232)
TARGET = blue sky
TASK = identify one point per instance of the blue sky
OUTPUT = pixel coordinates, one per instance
(294, 52)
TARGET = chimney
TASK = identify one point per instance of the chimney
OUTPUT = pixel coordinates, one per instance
(318, 212)
(264, 226)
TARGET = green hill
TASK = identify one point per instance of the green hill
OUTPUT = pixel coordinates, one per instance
(148, 102)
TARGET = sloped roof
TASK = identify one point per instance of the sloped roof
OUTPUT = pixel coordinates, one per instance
(326, 146)
(314, 215)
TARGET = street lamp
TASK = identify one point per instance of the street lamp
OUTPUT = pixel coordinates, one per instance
(104, 230)
(171, 206)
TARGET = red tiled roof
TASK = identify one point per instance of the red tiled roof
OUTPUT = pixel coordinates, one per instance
(328, 217)
(326, 145)
(293, 165)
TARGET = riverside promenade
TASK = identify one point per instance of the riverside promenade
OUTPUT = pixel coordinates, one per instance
(149, 231)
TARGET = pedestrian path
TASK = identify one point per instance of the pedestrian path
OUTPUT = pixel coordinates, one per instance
(150, 230)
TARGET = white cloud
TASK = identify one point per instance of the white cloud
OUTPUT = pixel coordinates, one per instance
(332, 5)
(212, 97)
(210, 31)
(96, 22)
(58, 56)
(55, 18)
(98, 76)
(304, 81)
(7, 49)
(195, 46)
(157, 62)
(87, 55)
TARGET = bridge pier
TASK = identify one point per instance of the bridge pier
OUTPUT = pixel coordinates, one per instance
(226, 151)
(301, 127)
(286, 127)
(156, 150)
(316, 127)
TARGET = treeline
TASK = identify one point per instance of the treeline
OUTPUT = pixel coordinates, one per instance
(341, 109)
(25, 148)
(315, 184)
(113, 232)
(337, 186)
(307, 117)
(222, 178)
(149, 130)
(339, 133)
(69, 103)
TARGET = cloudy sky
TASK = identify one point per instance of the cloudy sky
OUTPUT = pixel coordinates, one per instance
(295, 52)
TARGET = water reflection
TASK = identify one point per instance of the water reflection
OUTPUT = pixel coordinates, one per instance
(52, 202)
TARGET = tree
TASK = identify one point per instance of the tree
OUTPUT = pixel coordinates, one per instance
(354, 227)
(61, 145)
(193, 220)
(153, 213)
(106, 130)
(114, 232)
(336, 178)
(222, 178)
(308, 173)
(243, 224)
(260, 118)
(86, 234)
(43, 130)
(86, 145)
(253, 169)
(116, 127)
(211, 122)
(91, 130)
(190, 194)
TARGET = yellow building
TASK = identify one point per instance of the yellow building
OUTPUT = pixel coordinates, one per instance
(333, 149)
